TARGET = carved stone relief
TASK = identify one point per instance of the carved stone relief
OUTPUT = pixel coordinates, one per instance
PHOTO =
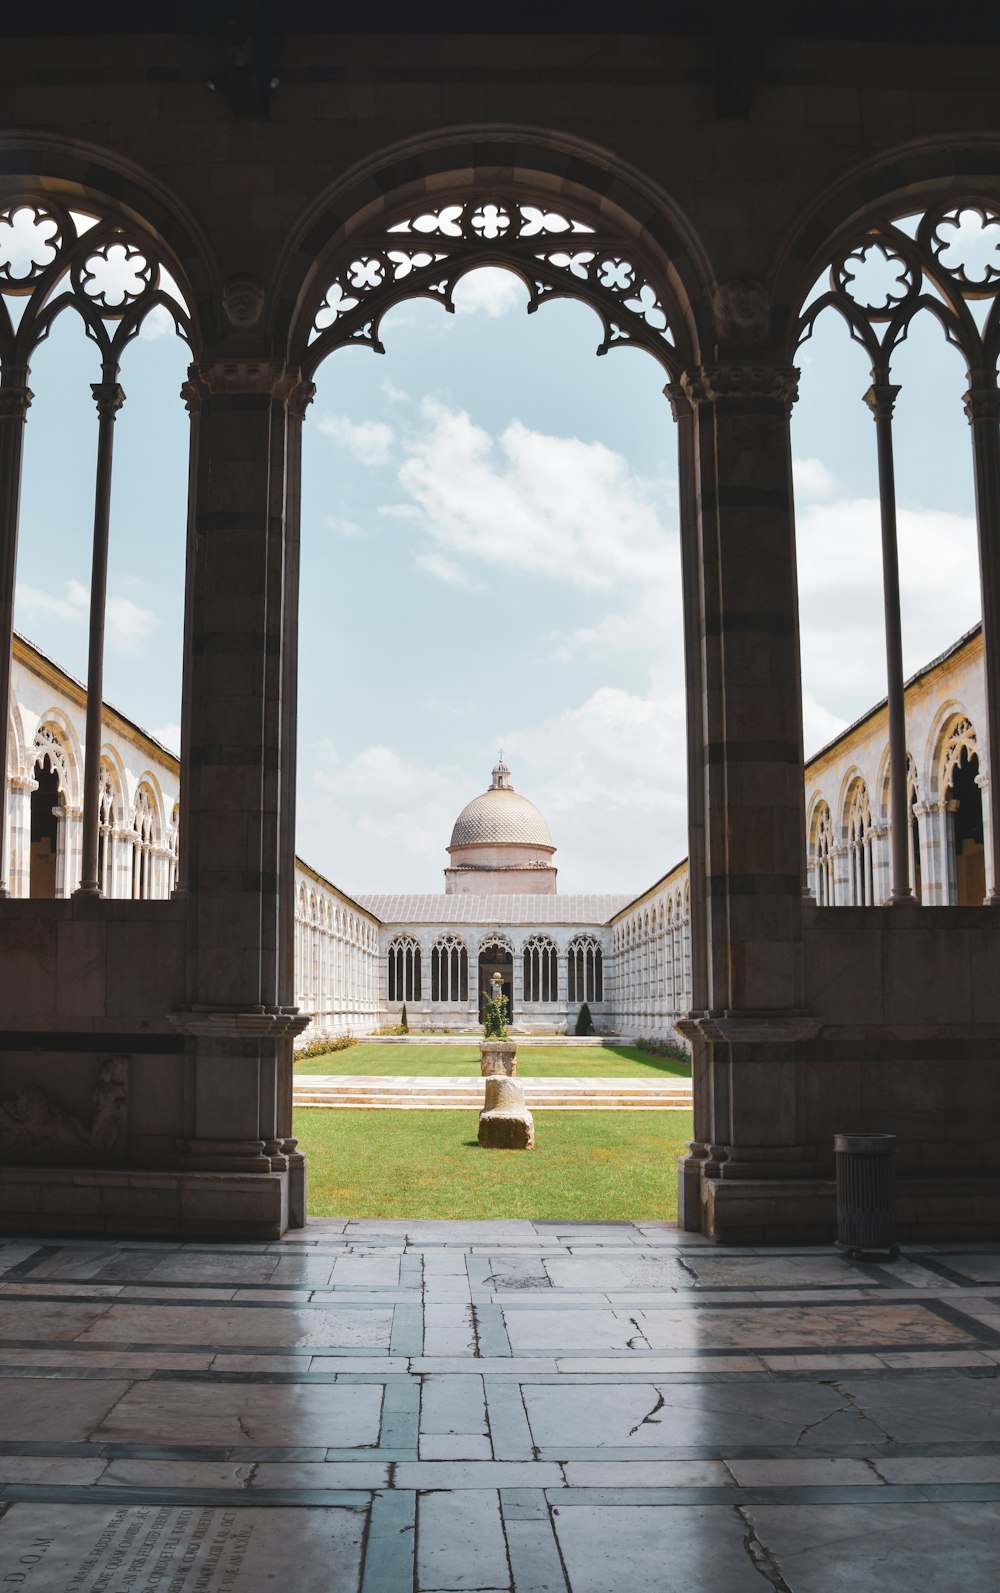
(32, 1125)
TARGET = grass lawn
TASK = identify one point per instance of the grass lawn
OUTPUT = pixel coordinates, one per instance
(539, 1062)
(427, 1164)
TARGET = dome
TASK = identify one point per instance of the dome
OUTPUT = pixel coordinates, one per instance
(499, 817)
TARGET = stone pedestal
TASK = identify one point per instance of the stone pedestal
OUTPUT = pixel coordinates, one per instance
(505, 1122)
(498, 1056)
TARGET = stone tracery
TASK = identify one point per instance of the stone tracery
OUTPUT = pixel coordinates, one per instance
(499, 229)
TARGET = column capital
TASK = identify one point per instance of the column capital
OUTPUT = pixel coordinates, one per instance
(15, 400)
(982, 399)
(108, 396)
(679, 400)
(881, 398)
(741, 379)
(261, 378)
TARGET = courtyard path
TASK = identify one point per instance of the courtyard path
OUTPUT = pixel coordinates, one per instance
(426, 1092)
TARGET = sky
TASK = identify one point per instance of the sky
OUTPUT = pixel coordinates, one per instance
(490, 558)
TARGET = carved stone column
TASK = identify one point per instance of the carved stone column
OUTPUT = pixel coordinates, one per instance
(238, 730)
(19, 791)
(754, 826)
(982, 407)
(983, 782)
(15, 397)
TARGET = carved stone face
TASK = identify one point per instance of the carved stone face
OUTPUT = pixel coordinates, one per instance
(742, 309)
(243, 301)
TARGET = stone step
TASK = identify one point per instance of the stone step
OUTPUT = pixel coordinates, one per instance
(465, 1094)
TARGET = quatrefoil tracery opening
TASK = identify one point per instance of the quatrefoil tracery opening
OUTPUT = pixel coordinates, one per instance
(945, 260)
(52, 259)
(530, 240)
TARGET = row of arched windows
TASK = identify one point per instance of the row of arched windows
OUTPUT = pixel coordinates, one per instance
(449, 968)
(336, 960)
(136, 847)
(652, 948)
(849, 859)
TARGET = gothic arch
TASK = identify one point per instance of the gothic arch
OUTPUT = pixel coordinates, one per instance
(82, 175)
(953, 729)
(629, 217)
(899, 181)
(16, 751)
(55, 735)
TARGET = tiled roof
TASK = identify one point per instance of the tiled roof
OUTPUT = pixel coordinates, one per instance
(500, 816)
(467, 908)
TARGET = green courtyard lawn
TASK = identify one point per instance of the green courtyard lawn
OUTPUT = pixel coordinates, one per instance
(455, 1061)
(586, 1165)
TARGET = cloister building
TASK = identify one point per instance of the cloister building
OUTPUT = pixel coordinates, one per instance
(710, 193)
(359, 962)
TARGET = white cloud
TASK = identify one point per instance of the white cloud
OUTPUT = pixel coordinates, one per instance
(489, 291)
(169, 736)
(158, 323)
(393, 394)
(368, 440)
(443, 569)
(813, 479)
(841, 602)
(560, 507)
(72, 607)
(128, 624)
(341, 526)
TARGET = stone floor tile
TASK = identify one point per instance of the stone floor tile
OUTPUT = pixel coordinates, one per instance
(449, 1330)
(901, 1546)
(644, 1415)
(648, 1474)
(561, 1330)
(817, 1472)
(335, 1415)
(318, 1327)
(64, 1408)
(608, 1548)
(455, 1446)
(939, 1468)
(460, 1542)
(534, 1557)
(120, 1547)
(857, 1326)
(455, 1404)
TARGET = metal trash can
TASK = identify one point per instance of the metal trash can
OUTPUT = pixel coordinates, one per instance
(866, 1195)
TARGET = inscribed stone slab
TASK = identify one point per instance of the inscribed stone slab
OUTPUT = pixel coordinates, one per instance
(145, 1549)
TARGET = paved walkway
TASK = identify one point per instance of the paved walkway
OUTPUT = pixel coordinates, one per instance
(467, 1094)
(507, 1406)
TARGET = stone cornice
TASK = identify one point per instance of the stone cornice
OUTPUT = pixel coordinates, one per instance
(262, 378)
(744, 379)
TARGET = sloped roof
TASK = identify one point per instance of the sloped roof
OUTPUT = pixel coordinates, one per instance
(468, 908)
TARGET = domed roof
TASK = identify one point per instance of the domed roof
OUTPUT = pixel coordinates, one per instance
(500, 816)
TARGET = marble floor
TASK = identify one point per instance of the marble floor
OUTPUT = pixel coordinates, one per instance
(366, 1407)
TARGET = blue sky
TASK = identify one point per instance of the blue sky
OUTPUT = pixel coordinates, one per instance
(490, 558)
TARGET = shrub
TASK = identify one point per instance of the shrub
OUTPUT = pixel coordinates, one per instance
(495, 1018)
(404, 1026)
(667, 1048)
(337, 1042)
(584, 1022)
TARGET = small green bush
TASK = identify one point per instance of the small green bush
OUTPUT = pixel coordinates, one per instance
(339, 1042)
(667, 1048)
(584, 1022)
(495, 1018)
(404, 1024)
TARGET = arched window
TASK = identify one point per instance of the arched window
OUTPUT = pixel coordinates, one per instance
(541, 979)
(861, 874)
(144, 839)
(822, 837)
(57, 258)
(45, 799)
(585, 969)
(449, 970)
(404, 969)
(107, 819)
(913, 826)
(964, 806)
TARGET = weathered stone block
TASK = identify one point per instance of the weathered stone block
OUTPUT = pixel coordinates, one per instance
(505, 1122)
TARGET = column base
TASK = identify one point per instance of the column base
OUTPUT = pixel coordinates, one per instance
(160, 1203)
(228, 1155)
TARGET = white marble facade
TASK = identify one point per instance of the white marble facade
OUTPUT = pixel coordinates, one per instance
(359, 961)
